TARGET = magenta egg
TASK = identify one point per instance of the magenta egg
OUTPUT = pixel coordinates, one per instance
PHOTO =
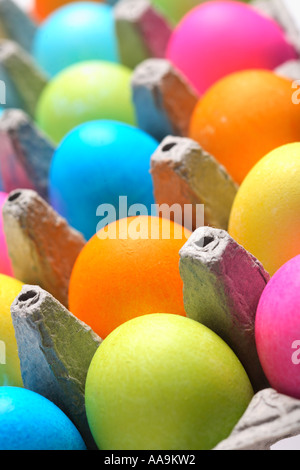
(277, 329)
(5, 263)
(218, 38)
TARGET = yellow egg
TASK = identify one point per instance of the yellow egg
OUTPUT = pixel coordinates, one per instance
(265, 216)
(10, 372)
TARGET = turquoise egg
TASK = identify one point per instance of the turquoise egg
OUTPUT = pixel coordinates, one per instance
(28, 421)
(77, 32)
(95, 165)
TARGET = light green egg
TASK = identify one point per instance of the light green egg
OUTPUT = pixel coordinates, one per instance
(85, 92)
(164, 382)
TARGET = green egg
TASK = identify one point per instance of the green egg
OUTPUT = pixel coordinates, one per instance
(85, 92)
(164, 382)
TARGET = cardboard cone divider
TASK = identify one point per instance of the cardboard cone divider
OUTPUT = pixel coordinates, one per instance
(42, 246)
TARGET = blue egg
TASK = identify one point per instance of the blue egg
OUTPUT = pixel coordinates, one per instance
(97, 163)
(75, 33)
(29, 421)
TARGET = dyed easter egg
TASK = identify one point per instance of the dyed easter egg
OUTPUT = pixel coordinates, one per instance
(85, 92)
(164, 382)
(28, 421)
(130, 268)
(243, 117)
(10, 372)
(43, 8)
(5, 262)
(265, 216)
(277, 329)
(96, 164)
(76, 33)
(221, 37)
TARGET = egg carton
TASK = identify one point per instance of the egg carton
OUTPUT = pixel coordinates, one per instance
(25, 153)
(183, 173)
(54, 342)
(162, 98)
(142, 32)
(41, 244)
(286, 13)
(270, 418)
(16, 25)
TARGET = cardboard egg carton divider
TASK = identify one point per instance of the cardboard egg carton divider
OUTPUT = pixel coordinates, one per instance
(157, 89)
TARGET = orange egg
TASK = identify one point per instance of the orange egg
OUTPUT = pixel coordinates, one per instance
(243, 117)
(128, 270)
(44, 8)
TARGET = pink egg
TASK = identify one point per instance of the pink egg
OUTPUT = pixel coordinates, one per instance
(5, 263)
(277, 329)
(218, 38)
